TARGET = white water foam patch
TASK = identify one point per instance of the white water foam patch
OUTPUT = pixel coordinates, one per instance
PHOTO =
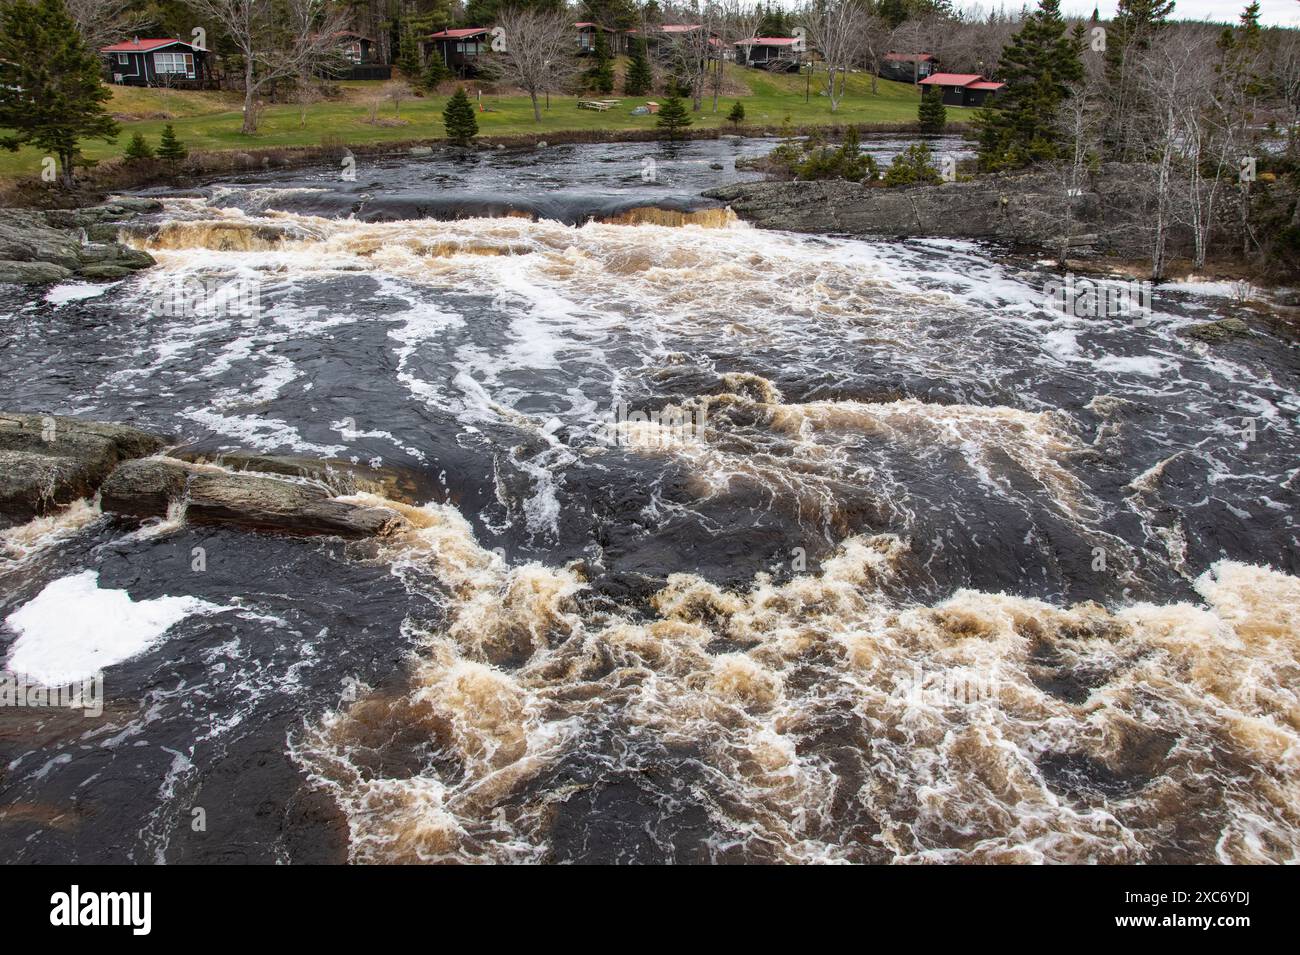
(73, 629)
(831, 722)
(77, 292)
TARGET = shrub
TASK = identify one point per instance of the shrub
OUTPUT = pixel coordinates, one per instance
(847, 162)
(737, 114)
(914, 165)
(435, 71)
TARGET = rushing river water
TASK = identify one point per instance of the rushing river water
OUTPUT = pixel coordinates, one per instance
(902, 567)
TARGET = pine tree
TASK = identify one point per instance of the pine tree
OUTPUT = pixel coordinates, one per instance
(931, 114)
(137, 149)
(435, 71)
(459, 120)
(1129, 37)
(51, 94)
(1038, 66)
(638, 78)
(408, 52)
(170, 148)
(737, 114)
(673, 118)
(601, 75)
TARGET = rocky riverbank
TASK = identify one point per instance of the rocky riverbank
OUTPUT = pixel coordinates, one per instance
(1030, 209)
(47, 462)
(38, 247)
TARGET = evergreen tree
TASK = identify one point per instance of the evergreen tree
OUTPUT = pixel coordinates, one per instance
(638, 79)
(51, 95)
(600, 77)
(169, 147)
(673, 117)
(435, 71)
(408, 51)
(931, 114)
(137, 149)
(1128, 38)
(459, 120)
(737, 114)
(1038, 66)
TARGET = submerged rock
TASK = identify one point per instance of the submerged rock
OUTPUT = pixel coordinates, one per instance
(1216, 333)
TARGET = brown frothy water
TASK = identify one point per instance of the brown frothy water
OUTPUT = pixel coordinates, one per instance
(834, 722)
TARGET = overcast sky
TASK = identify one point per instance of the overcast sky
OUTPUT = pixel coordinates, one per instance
(1271, 12)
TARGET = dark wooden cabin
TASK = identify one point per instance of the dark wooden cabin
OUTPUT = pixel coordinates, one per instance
(164, 62)
(777, 53)
(963, 89)
(615, 39)
(460, 48)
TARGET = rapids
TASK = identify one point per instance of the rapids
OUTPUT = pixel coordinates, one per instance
(726, 545)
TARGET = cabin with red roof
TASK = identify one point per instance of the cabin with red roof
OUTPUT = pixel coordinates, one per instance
(907, 67)
(963, 89)
(159, 62)
(460, 48)
(781, 54)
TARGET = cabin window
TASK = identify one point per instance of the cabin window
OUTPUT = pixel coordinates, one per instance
(123, 59)
(174, 63)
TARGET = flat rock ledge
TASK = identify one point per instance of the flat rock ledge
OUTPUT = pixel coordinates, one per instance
(49, 461)
(1028, 208)
(43, 246)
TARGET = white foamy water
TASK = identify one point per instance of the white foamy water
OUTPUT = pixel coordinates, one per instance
(73, 629)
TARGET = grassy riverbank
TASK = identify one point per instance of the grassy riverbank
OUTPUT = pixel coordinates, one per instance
(210, 121)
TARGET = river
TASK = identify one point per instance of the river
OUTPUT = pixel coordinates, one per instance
(722, 544)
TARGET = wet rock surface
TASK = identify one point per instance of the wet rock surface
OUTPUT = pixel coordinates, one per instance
(38, 247)
(1033, 209)
(48, 461)
(148, 487)
(1218, 332)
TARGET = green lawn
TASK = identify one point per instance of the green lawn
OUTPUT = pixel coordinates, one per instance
(211, 120)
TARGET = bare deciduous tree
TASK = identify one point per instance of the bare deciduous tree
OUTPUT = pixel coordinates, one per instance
(101, 22)
(539, 51)
(277, 40)
(691, 53)
(736, 20)
(834, 28)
